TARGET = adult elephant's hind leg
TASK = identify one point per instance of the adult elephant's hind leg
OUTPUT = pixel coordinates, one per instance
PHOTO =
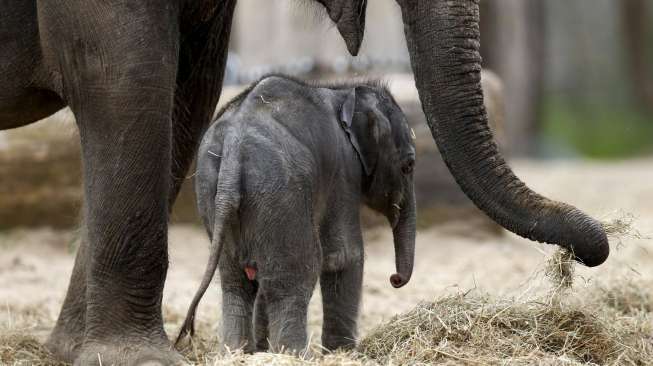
(120, 81)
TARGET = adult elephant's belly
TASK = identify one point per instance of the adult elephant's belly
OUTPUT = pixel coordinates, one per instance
(22, 67)
(27, 106)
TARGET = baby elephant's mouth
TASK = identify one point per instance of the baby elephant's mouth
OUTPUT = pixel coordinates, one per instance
(396, 204)
(395, 214)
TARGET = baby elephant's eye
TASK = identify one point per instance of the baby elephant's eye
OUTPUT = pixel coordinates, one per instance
(408, 166)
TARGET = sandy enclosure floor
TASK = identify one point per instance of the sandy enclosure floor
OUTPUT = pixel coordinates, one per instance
(35, 264)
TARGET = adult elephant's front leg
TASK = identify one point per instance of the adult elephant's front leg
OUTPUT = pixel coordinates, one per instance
(198, 86)
(118, 71)
(126, 141)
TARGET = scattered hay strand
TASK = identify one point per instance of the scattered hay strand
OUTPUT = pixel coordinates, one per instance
(621, 227)
(626, 297)
(560, 270)
(17, 348)
(204, 350)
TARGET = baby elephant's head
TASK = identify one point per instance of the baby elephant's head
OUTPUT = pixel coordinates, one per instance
(380, 134)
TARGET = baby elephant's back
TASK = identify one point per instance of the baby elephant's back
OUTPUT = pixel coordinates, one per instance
(288, 148)
(288, 140)
(274, 162)
(278, 191)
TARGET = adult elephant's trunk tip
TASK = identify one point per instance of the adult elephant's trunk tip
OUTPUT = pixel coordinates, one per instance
(577, 232)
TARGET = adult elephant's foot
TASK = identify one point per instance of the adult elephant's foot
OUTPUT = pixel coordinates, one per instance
(67, 336)
(65, 346)
(129, 354)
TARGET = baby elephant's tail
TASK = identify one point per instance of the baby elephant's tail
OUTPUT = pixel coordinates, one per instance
(227, 200)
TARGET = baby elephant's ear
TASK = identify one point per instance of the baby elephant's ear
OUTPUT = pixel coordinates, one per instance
(346, 119)
(347, 109)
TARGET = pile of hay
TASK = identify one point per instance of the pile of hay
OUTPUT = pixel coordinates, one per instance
(604, 325)
(476, 329)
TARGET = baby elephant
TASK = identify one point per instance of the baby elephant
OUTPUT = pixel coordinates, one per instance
(280, 181)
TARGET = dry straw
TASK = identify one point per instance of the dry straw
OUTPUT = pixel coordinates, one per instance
(599, 325)
(622, 227)
(18, 348)
(610, 325)
(479, 329)
(607, 326)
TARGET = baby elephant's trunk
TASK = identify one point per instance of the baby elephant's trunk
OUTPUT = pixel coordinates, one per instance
(404, 239)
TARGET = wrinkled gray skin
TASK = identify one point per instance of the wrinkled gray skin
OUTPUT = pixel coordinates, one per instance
(280, 179)
(143, 79)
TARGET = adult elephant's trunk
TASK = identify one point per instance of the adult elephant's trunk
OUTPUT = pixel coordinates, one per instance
(404, 239)
(443, 41)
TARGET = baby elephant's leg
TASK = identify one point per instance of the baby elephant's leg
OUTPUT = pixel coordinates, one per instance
(261, 333)
(341, 294)
(238, 294)
(286, 298)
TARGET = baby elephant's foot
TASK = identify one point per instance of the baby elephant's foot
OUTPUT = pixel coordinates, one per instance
(132, 354)
(333, 343)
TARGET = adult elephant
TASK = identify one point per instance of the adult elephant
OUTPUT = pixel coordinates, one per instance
(143, 79)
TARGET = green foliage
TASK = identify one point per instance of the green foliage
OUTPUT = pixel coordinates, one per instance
(599, 130)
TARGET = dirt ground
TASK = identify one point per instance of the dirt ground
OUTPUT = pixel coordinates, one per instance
(35, 264)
